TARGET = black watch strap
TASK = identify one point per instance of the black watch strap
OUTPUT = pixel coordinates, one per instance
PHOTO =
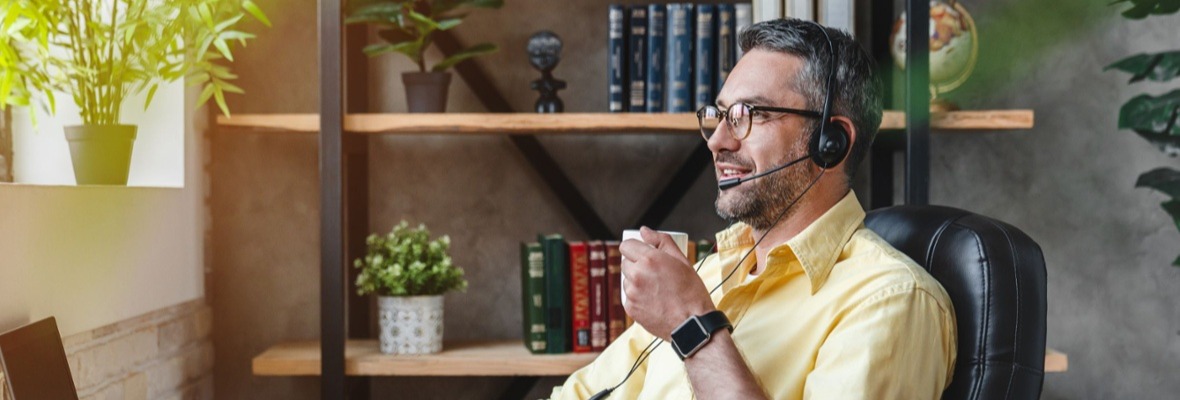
(714, 320)
(697, 331)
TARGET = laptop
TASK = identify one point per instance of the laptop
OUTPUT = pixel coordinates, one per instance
(33, 360)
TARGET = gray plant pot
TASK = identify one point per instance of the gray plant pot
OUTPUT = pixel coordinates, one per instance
(426, 92)
(410, 324)
(101, 154)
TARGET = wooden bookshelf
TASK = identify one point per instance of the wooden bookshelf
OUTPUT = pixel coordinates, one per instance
(500, 358)
(364, 358)
(580, 123)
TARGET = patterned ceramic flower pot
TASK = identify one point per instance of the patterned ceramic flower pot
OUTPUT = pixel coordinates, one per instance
(411, 324)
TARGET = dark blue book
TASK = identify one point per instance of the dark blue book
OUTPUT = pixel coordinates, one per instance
(657, 32)
(726, 34)
(617, 98)
(679, 70)
(706, 55)
(559, 314)
(638, 48)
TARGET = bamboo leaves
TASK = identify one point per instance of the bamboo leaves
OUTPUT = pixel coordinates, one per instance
(105, 51)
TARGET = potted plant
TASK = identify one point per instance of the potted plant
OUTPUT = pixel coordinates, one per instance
(408, 27)
(101, 52)
(409, 273)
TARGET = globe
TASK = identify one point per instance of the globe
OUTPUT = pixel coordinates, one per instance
(954, 47)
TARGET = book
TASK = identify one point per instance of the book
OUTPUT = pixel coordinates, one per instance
(680, 57)
(766, 10)
(657, 32)
(599, 334)
(704, 248)
(557, 294)
(616, 315)
(579, 263)
(705, 63)
(532, 290)
(692, 254)
(743, 14)
(617, 99)
(839, 14)
(637, 44)
(726, 26)
(801, 9)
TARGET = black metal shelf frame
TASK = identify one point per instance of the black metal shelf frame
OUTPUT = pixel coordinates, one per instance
(344, 166)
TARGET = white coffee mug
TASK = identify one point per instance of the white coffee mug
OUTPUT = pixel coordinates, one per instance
(680, 238)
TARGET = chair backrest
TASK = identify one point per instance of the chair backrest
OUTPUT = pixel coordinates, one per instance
(995, 276)
(34, 363)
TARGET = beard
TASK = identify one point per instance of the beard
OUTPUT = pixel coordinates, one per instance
(761, 202)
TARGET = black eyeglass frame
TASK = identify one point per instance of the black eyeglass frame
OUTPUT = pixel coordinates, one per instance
(750, 109)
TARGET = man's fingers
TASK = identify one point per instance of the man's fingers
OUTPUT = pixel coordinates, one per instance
(659, 240)
(635, 250)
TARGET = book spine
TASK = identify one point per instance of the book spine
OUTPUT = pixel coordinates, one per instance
(801, 9)
(532, 289)
(766, 10)
(743, 15)
(706, 55)
(580, 296)
(726, 26)
(557, 294)
(616, 65)
(657, 21)
(638, 47)
(599, 335)
(680, 57)
(616, 315)
(704, 249)
(838, 14)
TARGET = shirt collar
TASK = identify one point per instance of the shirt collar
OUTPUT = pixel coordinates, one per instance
(816, 248)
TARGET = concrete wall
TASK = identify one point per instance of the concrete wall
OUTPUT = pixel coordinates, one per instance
(1107, 244)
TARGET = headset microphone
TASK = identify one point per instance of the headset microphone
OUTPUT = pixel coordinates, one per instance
(730, 183)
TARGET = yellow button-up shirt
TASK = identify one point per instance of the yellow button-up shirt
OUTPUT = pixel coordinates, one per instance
(837, 314)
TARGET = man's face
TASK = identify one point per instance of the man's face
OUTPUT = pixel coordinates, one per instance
(762, 78)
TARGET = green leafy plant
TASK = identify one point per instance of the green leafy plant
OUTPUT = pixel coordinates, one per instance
(405, 262)
(1154, 117)
(102, 51)
(408, 27)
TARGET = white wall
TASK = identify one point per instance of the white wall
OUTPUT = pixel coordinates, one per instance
(41, 154)
(95, 255)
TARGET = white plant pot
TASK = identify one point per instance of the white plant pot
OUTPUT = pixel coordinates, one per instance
(411, 324)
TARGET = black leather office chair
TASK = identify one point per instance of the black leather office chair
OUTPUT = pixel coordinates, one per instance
(995, 276)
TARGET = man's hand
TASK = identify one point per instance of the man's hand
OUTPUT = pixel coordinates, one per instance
(662, 289)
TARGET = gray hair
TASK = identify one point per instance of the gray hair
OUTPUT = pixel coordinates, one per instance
(856, 91)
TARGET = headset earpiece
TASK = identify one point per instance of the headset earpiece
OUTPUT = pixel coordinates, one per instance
(829, 145)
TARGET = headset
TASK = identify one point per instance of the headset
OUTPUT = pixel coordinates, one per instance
(827, 148)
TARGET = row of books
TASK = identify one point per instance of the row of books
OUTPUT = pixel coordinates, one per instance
(675, 57)
(671, 58)
(571, 293)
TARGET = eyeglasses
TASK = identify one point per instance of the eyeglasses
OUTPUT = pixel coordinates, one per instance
(740, 117)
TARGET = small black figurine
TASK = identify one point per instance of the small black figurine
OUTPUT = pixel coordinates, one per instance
(544, 54)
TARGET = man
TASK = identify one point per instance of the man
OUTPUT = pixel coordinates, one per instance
(823, 308)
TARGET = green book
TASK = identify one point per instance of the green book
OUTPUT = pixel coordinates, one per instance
(532, 290)
(558, 317)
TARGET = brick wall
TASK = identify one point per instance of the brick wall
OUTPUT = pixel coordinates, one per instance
(166, 354)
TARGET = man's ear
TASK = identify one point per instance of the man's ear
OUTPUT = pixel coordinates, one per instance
(853, 135)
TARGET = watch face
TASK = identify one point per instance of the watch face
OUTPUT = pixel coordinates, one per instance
(689, 336)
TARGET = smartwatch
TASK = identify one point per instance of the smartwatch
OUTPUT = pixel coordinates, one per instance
(696, 331)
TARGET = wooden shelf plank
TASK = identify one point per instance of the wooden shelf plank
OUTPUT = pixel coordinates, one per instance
(580, 123)
(498, 358)
(363, 358)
